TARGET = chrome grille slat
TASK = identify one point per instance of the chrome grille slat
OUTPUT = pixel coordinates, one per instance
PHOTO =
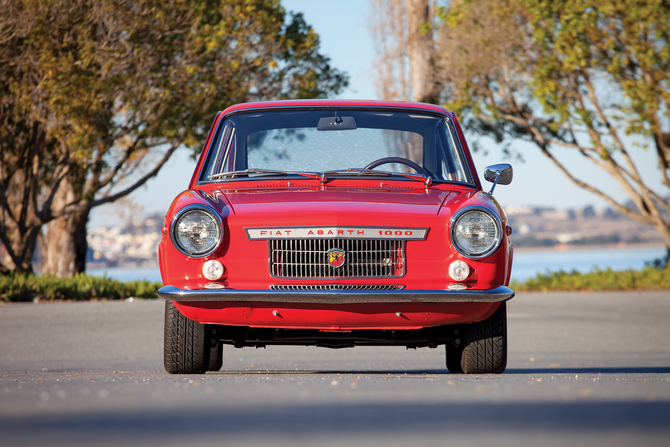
(364, 258)
(299, 287)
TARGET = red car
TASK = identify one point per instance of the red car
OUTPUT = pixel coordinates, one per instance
(336, 224)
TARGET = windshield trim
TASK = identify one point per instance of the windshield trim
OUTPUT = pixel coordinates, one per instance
(262, 109)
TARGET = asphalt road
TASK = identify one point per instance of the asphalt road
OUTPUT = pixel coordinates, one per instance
(583, 369)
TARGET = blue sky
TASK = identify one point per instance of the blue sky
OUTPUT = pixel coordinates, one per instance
(345, 38)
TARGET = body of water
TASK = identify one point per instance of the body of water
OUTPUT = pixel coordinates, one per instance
(527, 263)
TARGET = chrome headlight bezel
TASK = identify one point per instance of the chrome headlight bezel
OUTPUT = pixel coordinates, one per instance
(180, 214)
(476, 208)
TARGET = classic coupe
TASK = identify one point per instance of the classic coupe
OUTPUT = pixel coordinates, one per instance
(337, 224)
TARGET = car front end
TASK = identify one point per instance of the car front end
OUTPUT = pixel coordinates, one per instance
(292, 233)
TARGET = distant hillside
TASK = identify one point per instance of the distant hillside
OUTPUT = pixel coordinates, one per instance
(133, 244)
(549, 227)
(137, 242)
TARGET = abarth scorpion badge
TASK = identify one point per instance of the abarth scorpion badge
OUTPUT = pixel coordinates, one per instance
(336, 257)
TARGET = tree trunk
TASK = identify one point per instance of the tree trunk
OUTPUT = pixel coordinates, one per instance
(21, 170)
(22, 245)
(65, 242)
(664, 229)
(6, 263)
(5, 268)
(421, 51)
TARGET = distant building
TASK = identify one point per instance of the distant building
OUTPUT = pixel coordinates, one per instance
(519, 210)
(135, 244)
(555, 214)
(609, 213)
(588, 212)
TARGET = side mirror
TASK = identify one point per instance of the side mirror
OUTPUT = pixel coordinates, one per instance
(500, 174)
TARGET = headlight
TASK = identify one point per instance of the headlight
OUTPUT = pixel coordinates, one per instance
(196, 231)
(475, 232)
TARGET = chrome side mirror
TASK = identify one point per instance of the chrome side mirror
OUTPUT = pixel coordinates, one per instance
(498, 174)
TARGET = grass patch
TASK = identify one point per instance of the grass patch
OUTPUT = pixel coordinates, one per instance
(649, 278)
(23, 287)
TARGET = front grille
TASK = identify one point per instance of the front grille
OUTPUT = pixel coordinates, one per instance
(363, 258)
(310, 287)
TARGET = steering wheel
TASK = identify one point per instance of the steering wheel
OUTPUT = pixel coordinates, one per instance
(402, 161)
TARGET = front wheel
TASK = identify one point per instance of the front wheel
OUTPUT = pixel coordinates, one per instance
(485, 345)
(186, 344)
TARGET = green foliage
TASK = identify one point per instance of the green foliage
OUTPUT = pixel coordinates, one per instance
(568, 58)
(649, 278)
(109, 74)
(96, 95)
(25, 287)
(587, 76)
(625, 41)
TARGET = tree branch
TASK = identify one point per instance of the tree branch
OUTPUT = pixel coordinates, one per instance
(84, 205)
(62, 169)
(620, 208)
(126, 156)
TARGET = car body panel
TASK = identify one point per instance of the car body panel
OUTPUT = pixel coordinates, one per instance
(343, 317)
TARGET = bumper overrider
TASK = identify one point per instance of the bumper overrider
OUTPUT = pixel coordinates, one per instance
(496, 295)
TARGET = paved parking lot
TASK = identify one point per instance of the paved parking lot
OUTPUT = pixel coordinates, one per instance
(583, 369)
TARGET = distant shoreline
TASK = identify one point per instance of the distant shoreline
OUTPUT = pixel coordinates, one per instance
(564, 247)
(555, 248)
(125, 265)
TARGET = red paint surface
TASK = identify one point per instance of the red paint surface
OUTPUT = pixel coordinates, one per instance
(336, 317)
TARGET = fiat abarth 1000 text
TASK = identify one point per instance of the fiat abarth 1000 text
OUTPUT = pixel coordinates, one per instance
(336, 224)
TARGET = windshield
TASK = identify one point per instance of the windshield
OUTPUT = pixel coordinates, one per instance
(286, 142)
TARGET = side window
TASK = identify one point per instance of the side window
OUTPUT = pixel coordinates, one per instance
(462, 172)
(222, 155)
(451, 159)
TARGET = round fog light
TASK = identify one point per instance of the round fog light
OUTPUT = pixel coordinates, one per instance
(459, 270)
(212, 269)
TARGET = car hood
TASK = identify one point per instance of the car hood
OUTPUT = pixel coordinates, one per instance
(337, 204)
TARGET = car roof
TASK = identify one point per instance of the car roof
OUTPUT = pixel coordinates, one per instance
(299, 103)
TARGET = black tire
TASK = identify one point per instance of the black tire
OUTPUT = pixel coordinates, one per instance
(485, 345)
(454, 355)
(186, 347)
(215, 357)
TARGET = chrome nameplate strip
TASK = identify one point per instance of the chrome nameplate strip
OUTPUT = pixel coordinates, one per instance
(397, 233)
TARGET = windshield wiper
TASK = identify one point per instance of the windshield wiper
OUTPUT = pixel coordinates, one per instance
(357, 171)
(322, 176)
(249, 172)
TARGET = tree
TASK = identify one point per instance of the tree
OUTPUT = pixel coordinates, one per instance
(95, 96)
(587, 76)
(403, 36)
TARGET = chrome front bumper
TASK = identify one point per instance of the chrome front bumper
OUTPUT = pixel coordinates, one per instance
(501, 293)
